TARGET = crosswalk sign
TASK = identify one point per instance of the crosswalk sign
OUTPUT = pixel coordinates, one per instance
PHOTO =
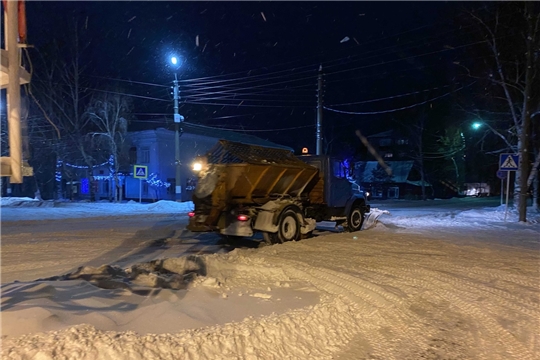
(140, 171)
(508, 162)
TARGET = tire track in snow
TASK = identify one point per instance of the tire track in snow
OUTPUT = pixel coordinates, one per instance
(370, 300)
(439, 282)
(455, 288)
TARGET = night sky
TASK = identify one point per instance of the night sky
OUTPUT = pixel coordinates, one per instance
(253, 65)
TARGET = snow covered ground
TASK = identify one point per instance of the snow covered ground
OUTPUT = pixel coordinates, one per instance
(18, 209)
(433, 280)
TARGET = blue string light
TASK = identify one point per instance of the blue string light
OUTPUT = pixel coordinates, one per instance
(155, 182)
(58, 173)
(152, 179)
(86, 167)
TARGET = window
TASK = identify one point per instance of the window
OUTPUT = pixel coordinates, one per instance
(144, 156)
(105, 187)
(385, 142)
(171, 190)
(132, 155)
(340, 170)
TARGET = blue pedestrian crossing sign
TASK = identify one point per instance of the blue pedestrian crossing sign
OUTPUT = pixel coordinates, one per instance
(140, 171)
(508, 162)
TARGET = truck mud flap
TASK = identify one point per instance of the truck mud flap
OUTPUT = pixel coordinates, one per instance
(371, 218)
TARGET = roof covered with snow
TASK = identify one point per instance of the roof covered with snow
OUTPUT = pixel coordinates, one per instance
(219, 134)
(400, 170)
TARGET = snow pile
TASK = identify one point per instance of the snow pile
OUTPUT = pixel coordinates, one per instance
(14, 209)
(315, 332)
(256, 309)
(170, 206)
(18, 201)
(477, 218)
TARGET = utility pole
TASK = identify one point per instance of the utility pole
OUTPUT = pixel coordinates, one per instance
(13, 76)
(319, 110)
(14, 93)
(177, 120)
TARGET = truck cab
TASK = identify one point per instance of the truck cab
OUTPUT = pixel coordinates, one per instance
(338, 193)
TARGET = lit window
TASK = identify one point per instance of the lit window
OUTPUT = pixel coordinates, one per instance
(403, 141)
(339, 170)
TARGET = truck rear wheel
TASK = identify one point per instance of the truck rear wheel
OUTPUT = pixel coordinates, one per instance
(355, 219)
(288, 228)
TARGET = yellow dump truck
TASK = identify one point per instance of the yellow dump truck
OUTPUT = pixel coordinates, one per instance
(243, 189)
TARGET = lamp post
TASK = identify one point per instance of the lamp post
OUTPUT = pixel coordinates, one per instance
(177, 120)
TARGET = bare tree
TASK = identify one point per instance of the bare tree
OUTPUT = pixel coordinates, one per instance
(109, 112)
(514, 60)
(61, 92)
(450, 148)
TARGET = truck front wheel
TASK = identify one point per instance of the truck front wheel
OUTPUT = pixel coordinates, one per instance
(288, 228)
(355, 219)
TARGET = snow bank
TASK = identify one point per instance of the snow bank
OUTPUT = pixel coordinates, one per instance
(15, 209)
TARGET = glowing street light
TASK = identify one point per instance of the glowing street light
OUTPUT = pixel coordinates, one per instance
(476, 125)
(177, 120)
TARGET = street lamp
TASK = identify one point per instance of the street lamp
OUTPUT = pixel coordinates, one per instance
(177, 120)
(476, 125)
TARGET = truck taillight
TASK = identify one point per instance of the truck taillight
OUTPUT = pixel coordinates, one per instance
(242, 218)
(191, 214)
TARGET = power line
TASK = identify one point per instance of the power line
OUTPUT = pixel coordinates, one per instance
(394, 110)
(390, 97)
(101, 90)
(128, 81)
(252, 130)
(235, 98)
(245, 105)
(410, 57)
(392, 72)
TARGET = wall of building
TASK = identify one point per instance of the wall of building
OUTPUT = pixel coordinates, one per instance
(161, 162)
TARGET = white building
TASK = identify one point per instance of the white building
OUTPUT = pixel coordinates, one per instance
(156, 150)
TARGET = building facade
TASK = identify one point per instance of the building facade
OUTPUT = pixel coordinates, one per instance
(155, 149)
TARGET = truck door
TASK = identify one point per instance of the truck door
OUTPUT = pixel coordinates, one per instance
(340, 189)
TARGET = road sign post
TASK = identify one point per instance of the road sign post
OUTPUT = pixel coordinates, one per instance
(140, 172)
(502, 175)
(507, 194)
(508, 162)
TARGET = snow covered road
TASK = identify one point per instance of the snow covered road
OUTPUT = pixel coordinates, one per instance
(393, 292)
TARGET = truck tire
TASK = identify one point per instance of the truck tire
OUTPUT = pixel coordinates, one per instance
(355, 218)
(288, 228)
